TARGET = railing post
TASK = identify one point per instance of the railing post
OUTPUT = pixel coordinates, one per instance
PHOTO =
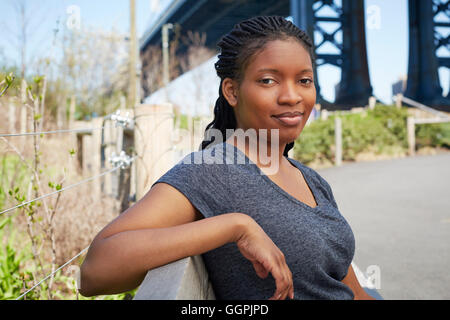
(153, 143)
(411, 136)
(324, 114)
(338, 140)
(88, 145)
(372, 102)
(398, 100)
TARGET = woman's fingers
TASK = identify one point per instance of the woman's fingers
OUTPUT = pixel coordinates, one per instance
(256, 246)
(283, 282)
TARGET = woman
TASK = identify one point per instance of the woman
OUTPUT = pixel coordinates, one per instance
(262, 234)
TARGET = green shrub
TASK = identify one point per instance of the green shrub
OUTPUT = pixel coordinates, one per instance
(12, 272)
(367, 133)
(316, 142)
(433, 134)
(380, 130)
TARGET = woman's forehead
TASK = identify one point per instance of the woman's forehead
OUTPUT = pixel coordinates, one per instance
(280, 54)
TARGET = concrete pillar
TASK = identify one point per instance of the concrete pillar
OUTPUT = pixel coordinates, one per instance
(153, 144)
(88, 151)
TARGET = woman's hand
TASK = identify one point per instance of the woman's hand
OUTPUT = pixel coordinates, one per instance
(256, 246)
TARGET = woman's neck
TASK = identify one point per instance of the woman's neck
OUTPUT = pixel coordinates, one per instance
(266, 154)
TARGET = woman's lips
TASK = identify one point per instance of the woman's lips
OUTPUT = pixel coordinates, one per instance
(290, 121)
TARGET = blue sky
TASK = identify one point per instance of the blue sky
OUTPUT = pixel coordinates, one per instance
(387, 35)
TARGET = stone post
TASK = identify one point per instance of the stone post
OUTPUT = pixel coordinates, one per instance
(153, 144)
(338, 140)
(410, 124)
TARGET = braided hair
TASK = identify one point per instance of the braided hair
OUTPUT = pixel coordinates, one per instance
(237, 47)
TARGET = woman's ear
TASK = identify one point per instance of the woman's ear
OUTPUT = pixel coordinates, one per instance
(230, 91)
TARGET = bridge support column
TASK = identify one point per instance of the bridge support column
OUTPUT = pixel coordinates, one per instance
(302, 14)
(355, 88)
(423, 80)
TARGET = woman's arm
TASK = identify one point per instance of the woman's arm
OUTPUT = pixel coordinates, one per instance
(119, 262)
(352, 282)
(164, 227)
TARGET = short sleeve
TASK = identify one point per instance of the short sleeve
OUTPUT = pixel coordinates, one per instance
(324, 186)
(201, 184)
(330, 193)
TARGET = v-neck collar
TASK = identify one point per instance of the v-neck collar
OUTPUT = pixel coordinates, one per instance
(275, 186)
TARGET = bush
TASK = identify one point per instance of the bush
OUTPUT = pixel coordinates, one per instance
(19, 269)
(433, 134)
(316, 142)
(379, 131)
(12, 273)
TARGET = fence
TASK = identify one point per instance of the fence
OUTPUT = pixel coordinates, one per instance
(411, 123)
(420, 115)
(437, 117)
(139, 147)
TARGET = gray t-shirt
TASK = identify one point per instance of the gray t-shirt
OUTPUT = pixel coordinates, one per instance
(318, 243)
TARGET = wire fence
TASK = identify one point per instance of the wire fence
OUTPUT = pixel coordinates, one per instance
(61, 190)
(49, 132)
(52, 274)
(121, 161)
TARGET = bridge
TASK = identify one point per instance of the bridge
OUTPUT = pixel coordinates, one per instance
(429, 22)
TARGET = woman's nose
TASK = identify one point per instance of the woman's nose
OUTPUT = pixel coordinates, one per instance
(289, 94)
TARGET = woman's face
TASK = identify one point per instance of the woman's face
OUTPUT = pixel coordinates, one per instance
(278, 79)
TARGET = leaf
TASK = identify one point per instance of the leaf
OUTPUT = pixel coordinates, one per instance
(4, 222)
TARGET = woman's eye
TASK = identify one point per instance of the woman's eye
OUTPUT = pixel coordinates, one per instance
(306, 81)
(266, 81)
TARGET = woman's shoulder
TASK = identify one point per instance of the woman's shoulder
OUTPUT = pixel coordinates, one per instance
(199, 165)
(305, 169)
(317, 178)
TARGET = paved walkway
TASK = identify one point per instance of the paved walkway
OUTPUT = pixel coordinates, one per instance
(399, 211)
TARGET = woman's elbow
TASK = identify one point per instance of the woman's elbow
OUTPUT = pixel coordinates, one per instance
(87, 286)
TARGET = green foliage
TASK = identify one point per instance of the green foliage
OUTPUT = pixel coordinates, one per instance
(12, 272)
(17, 272)
(380, 130)
(373, 132)
(433, 134)
(316, 142)
(12, 169)
(6, 83)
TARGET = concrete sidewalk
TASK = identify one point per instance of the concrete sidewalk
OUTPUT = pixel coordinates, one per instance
(399, 211)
